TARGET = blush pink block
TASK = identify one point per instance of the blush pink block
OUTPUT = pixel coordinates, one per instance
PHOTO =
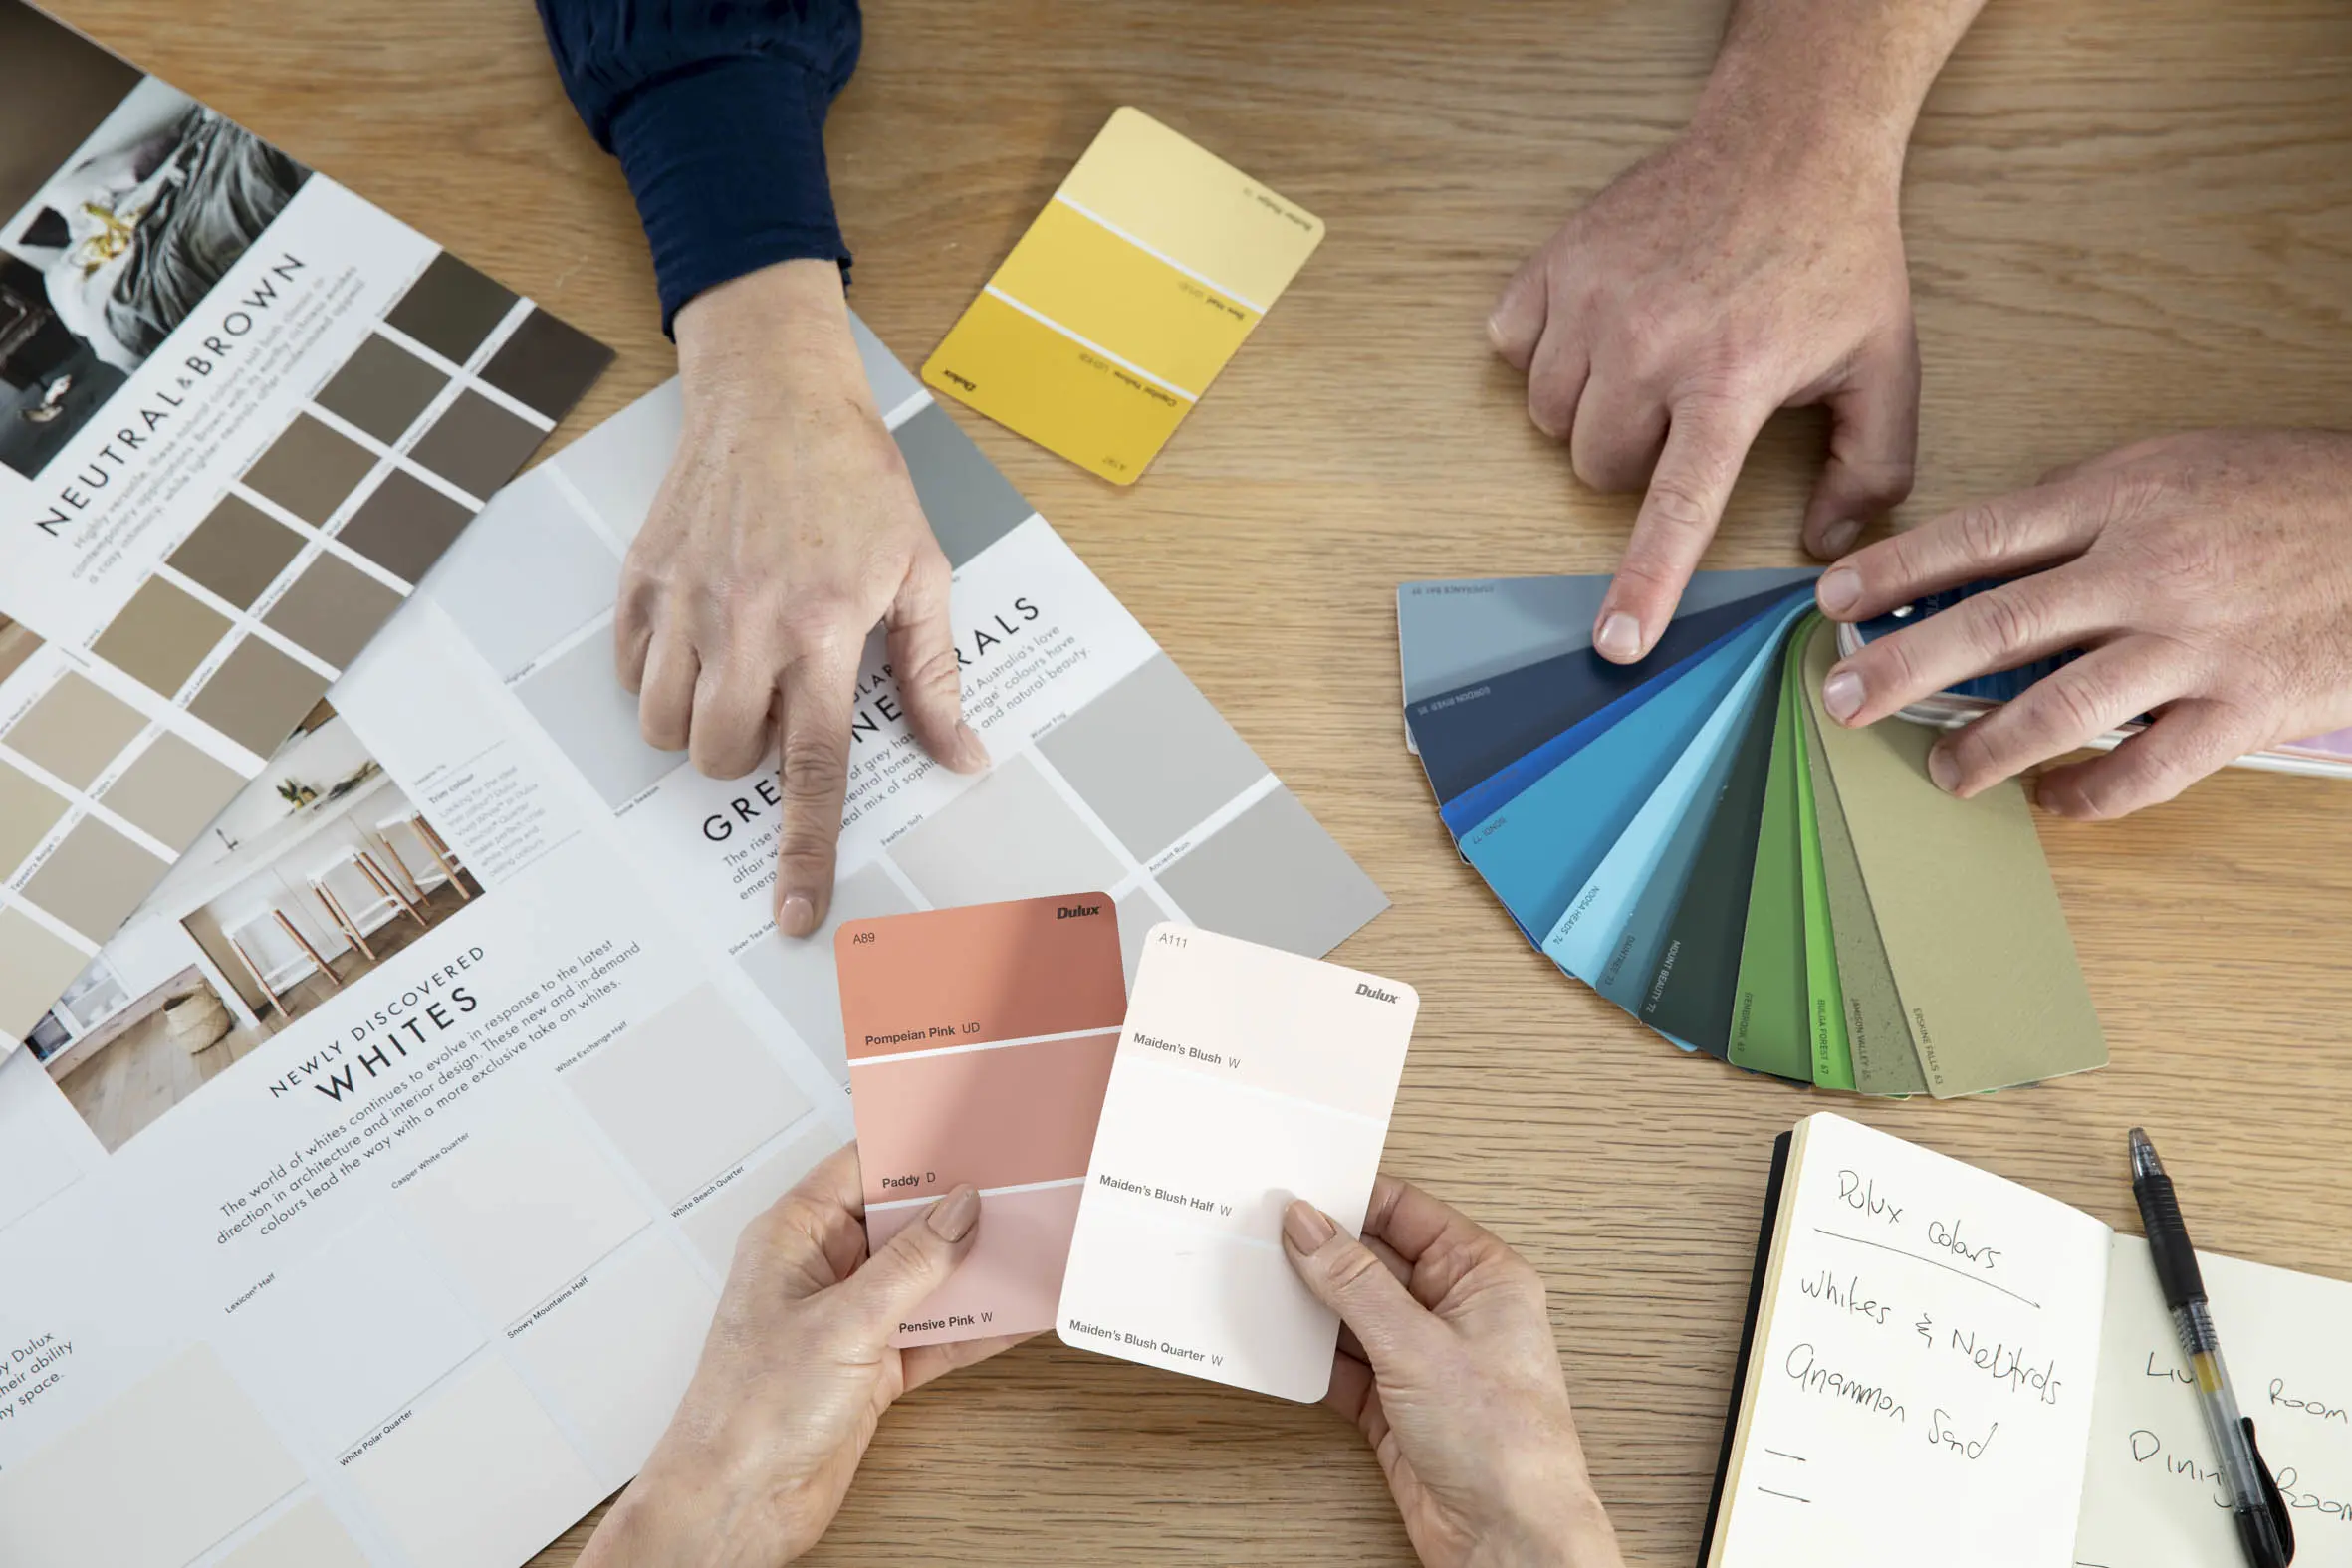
(1003, 1117)
(1011, 1280)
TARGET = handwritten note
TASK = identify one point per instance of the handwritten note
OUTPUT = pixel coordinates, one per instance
(1921, 1389)
(2151, 1497)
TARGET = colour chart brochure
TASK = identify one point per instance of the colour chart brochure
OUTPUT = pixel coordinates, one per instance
(242, 412)
(404, 1257)
(1695, 839)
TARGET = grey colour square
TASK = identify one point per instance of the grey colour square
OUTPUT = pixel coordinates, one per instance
(892, 382)
(592, 720)
(1139, 912)
(1152, 757)
(1008, 836)
(525, 576)
(799, 976)
(1273, 876)
(971, 506)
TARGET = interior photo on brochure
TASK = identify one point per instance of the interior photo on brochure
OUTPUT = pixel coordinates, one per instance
(371, 1185)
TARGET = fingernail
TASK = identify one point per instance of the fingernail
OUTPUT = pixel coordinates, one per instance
(1842, 536)
(797, 917)
(955, 1214)
(1943, 770)
(1842, 694)
(1840, 590)
(1308, 1227)
(1619, 638)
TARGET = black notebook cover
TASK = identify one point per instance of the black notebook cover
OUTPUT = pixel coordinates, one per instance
(1755, 1285)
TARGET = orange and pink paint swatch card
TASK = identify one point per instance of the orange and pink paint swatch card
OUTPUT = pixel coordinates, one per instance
(980, 1043)
(1245, 1077)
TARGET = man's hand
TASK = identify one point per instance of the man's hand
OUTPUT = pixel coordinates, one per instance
(795, 1375)
(1753, 265)
(785, 529)
(2209, 576)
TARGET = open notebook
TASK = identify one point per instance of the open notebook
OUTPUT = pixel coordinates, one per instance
(1945, 1367)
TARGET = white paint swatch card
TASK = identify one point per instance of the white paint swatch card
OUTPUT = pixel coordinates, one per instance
(1245, 1077)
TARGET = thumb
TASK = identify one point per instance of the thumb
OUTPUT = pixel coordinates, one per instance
(1345, 1276)
(1516, 325)
(1873, 445)
(916, 1261)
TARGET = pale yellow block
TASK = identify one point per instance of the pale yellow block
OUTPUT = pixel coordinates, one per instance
(1194, 208)
(1030, 378)
(36, 967)
(150, 1478)
(304, 1537)
(1110, 292)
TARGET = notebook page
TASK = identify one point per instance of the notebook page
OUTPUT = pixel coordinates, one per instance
(1922, 1394)
(2151, 1497)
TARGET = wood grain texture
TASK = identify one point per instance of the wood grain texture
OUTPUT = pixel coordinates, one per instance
(2125, 216)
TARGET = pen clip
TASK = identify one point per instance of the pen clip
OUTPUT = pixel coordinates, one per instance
(2273, 1497)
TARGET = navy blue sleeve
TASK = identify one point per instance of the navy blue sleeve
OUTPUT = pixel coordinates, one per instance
(715, 110)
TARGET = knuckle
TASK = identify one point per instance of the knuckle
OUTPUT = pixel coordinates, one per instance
(2072, 708)
(811, 760)
(1355, 1269)
(1983, 531)
(1679, 504)
(1891, 664)
(2005, 622)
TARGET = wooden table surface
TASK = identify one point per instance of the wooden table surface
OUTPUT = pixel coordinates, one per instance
(2125, 216)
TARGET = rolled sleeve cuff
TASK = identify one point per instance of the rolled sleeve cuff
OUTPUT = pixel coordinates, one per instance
(727, 163)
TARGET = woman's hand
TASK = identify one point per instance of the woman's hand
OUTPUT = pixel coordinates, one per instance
(795, 1375)
(2209, 576)
(787, 527)
(1447, 1364)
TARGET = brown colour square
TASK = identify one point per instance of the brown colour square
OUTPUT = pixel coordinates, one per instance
(60, 87)
(237, 550)
(404, 526)
(451, 308)
(258, 696)
(382, 389)
(477, 445)
(75, 730)
(160, 636)
(172, 791)
(311, 469)
(547, 363)
(29, 809)
(93, 878)
(16, 645)
(333, 608)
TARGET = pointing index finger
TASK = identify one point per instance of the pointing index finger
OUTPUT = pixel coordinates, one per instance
(1706, 442)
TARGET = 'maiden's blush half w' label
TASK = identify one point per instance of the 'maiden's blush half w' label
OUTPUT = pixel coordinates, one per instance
(979, 1042)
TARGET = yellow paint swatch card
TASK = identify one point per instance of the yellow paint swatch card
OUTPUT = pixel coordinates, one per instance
(1125, 297)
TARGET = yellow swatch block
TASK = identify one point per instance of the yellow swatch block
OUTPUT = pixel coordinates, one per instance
(1125, 297)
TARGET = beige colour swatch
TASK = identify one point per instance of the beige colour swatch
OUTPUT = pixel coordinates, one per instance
(36, 967)
(160, 636)
(1964, 902)
(172, 791)
(93, 878)
(29, 809)
(75, 730)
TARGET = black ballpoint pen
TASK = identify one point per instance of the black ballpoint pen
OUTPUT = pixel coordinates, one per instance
(2263, 1527)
